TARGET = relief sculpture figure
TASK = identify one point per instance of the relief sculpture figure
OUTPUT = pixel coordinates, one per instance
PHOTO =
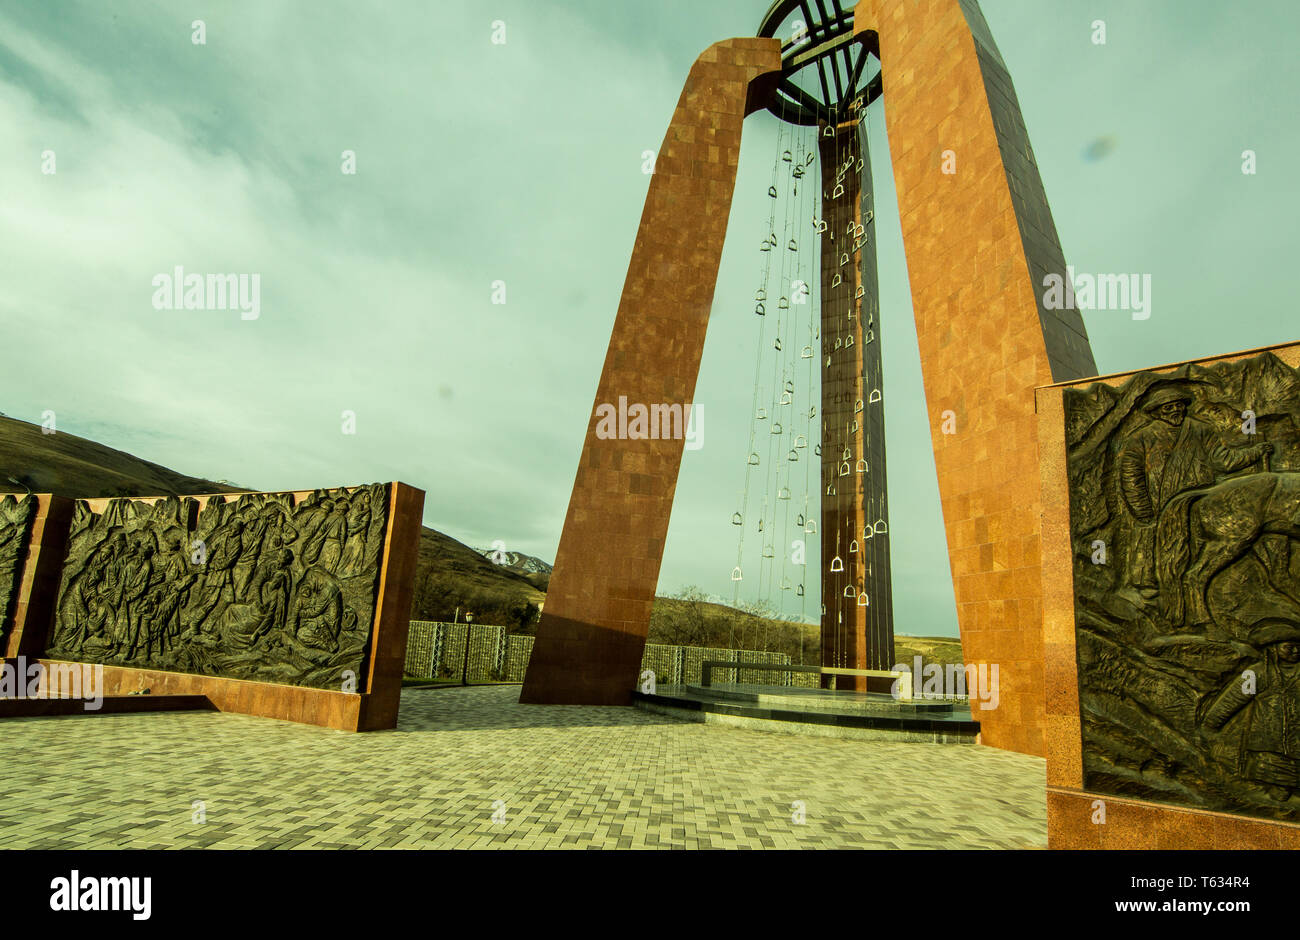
(1268, 691)
(1170, 455)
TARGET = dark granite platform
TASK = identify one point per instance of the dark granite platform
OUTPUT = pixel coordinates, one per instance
(788, 710)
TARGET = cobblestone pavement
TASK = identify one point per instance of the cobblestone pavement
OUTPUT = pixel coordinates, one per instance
(553, 776)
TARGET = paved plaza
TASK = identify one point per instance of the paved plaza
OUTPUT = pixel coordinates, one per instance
(552, 776)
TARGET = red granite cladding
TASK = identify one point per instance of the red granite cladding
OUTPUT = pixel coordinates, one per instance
(981, 341)
(597, 614)
(1077, 820)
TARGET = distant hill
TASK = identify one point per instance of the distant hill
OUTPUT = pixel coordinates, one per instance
(944, 650)
(67, 465)
(530, 567)
(451, 574)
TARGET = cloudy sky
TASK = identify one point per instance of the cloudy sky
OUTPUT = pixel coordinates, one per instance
(522, 162)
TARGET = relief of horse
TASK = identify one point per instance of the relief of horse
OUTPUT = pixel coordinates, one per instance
(1202, 532)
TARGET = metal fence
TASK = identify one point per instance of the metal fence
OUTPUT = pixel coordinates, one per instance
(437, 651)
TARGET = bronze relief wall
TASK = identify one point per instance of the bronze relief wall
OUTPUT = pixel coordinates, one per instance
(1184, 515)
(262, 586)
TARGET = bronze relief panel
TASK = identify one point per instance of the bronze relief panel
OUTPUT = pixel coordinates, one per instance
(255, 587)
(1184, 515)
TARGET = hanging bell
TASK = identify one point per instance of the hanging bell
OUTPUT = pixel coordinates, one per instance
(837, 564)
(794, 455)
(760, 415)
(820, 226)
(760, 295)
(785, 398)
(859, 231)
(844, 468)
(776, 427)
(811, 527)
(783, 303)
(807, 353)
(881, 527)
(778, 344)
(853, 547)
(862, 599)
(769, 552)
(836, 281)
(857, 406)
(801, 441)
(859, 293)
(760, 309)
(736, 575)
(799, 522)
(838, 191)
(799, 591)
(862, 465)
(753, 460)
(848, 341)
(771, 191)
(830, 490)
(868, 533)
(875, 396)
(737, 519)
(866, 219)
(850, 591)
(818, 450)
(787, 157)
(793, 246)
(829, 131)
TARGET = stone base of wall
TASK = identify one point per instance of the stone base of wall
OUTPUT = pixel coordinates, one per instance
(339, 710)
(1138, 824)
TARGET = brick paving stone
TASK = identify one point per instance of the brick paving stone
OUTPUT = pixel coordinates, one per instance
(569, 776)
